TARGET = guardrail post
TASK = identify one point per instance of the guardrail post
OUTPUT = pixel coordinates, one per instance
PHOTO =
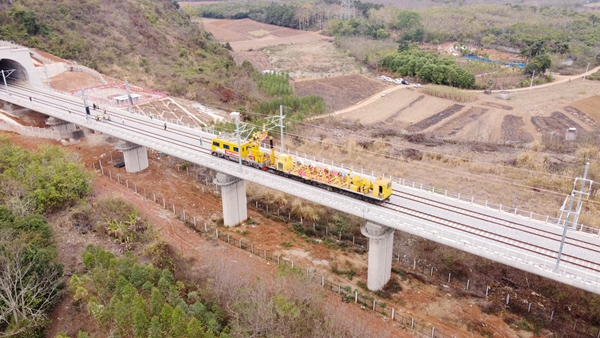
(468, 281)
(449, 275)
(374, 304)
(507, 298)
(414, 264)
(412, 323)
(529, 308)
(322, 281)
(217, 232)
(393, 313)
(433, 332)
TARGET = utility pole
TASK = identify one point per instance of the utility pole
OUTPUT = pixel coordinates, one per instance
(236, 115)
(585, 188)
(564, 234)
(47, 79)
(531, 84)
(85, 105)
(281, 126)
(129, 99)
(5, 85)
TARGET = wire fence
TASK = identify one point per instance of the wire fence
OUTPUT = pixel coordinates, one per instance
(401, 264)
(199, 225)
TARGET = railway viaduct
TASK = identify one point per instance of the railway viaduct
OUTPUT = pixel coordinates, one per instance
(508, 235)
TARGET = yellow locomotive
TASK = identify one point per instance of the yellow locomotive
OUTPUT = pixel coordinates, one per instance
(332, 179)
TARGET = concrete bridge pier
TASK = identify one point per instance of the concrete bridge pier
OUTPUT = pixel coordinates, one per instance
(135, 156)
(12, 108)
(64, 128)
(233, 195)
(381, 241)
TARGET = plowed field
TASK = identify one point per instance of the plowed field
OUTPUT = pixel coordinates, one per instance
(341, 91)
(435, 119)
(556, 123)
(450, 128)
(513, 130)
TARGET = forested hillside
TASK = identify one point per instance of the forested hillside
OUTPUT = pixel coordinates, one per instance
(149, 42)
(32, 185)
(560, 31)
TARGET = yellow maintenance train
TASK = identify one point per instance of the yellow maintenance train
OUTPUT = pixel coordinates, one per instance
(333, 179)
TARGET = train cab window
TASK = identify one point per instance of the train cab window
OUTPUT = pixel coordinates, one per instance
(389, 185)
(381, 189)
(235, 149)
(216, 144)
(226, 146)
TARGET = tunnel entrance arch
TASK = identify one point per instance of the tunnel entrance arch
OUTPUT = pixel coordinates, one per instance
(12, 71)
(18, 62)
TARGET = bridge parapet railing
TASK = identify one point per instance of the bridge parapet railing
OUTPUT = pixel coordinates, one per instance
(488, 204)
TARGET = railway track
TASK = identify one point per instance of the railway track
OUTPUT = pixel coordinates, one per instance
(551, 235)
(495, 235)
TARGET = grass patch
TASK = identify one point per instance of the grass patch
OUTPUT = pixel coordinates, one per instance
(349, 272)
(450, 93)
(259, 33)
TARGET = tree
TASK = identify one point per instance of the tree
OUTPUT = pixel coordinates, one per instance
(29, 285)
(140, 317)
(194, 328)
(409, 20)
(534, 48)
(538, 64)
(382, 34)
(178, 323)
